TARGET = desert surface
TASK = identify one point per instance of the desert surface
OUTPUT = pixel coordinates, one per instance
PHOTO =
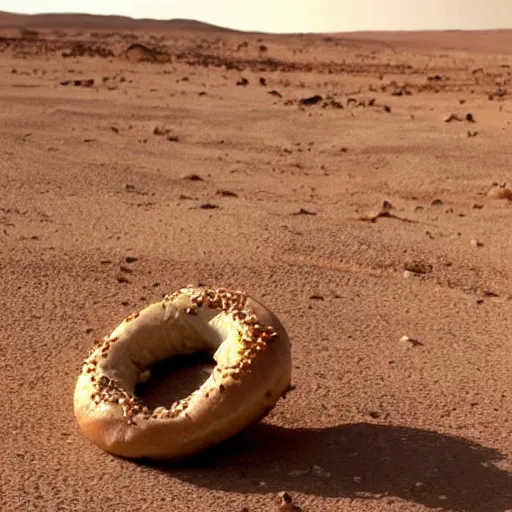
(357, 184)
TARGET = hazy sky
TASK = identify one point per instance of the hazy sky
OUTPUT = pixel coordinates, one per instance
(297, 15)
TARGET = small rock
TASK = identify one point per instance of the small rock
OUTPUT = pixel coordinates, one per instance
(453, 117)
(418, 267)
(303, 211)
(500, 192)
(412, 341)
(161, 130)
(311, 100)
(226, 193)
(476, 243)
(193, 177)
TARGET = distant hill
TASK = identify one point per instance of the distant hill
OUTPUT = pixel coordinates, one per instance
(485, 41)
(93, 21)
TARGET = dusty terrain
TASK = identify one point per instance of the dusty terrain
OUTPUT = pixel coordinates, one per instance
(341, 179)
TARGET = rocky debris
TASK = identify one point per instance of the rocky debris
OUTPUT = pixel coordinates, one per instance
(86, 49)
(418, 267)
(89, 82)
(161, 130)
(412, 341)
(458, 117)
(332, 103)
(137, 52)
(193, 177)
(303, 211)
(499, 93)
(311, 100)
(500, 192)
(226, 193)
(243, 82)
(401, 91)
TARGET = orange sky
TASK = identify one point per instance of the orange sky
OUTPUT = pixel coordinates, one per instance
(297, 15)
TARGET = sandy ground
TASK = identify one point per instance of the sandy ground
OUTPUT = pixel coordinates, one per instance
(286, 209)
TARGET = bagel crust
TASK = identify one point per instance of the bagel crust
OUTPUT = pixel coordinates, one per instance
(248, 343)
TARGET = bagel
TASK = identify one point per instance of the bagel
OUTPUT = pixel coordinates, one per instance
(248, 343)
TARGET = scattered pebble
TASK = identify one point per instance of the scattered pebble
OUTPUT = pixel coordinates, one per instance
(311, 100)
(193, 177)
(412, 341)
(303, 211)
(500, 192)
(226, 193)
(418, 267)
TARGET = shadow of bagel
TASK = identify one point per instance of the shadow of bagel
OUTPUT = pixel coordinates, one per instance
(364, 460)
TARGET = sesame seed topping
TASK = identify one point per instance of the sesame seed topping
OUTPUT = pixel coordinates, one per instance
(254, 338)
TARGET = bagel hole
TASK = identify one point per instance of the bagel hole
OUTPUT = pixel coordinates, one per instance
(174, 379)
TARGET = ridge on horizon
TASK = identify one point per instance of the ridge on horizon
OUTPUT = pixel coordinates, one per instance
(9, 19)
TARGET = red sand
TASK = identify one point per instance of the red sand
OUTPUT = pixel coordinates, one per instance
(377, 422)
